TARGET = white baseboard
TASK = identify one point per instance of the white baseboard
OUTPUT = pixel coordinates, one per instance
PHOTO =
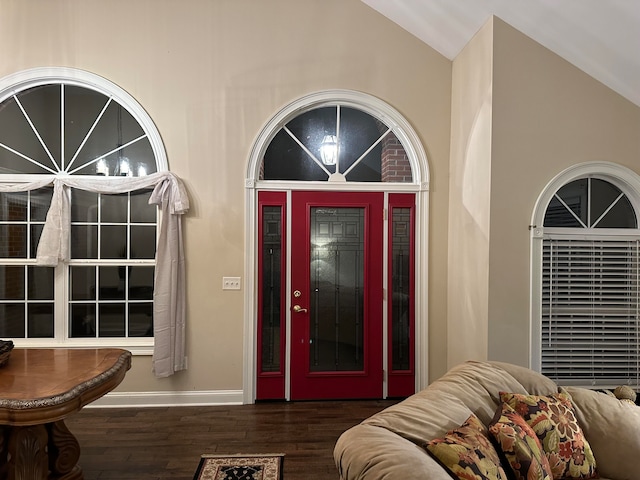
(168, 399)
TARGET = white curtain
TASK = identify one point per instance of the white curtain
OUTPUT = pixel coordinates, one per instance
(169, 288)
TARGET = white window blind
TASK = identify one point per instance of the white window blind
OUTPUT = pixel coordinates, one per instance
(590, 319)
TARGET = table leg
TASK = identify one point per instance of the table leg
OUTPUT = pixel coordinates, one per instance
(39, 452)
(27, 453)
(64, 453)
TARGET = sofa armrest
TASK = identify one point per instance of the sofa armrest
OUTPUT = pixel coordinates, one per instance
(375, 453)
(612, 428)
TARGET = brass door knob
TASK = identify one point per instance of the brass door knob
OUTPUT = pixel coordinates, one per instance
(299, 309)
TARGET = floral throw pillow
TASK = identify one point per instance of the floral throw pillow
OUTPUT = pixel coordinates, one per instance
(520, 445)
(552, 418)
(467, 453)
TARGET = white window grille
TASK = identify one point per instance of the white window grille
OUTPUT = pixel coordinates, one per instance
(66, 123)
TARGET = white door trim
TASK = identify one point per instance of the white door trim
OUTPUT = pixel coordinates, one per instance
(419, 164)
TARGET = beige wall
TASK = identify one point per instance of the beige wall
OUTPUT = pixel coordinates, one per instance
(211, 74)
(520, 115)
(547, 116)
(469, 203)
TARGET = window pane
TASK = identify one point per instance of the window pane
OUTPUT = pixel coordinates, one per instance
(12, 320)
(141, 320)
(40, 283)
(40, 320)
(395, 161)
(36, 233)
(401, 289)
(272, 288)
(42, 107)
(83, 283)
(621, 215)
(115, 128)
(603, 194)
(359, 131)
(557, 215)
(112, 320)
(13, 241)
(113, 241)
(143, 241)
(141, 283)
(608, 200)
(83, 320)
(284, 159)
(337, 279)
(84, 241)
(82, 108)
(84, 206)
(141, 211)
(575, 195)
(114, 208)
(11, 282)
(112, 282)
(39, 204)
(13, 207)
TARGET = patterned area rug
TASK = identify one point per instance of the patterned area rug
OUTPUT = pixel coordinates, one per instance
(240, 467)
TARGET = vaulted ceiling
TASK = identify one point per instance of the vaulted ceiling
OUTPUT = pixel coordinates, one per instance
(602, 38)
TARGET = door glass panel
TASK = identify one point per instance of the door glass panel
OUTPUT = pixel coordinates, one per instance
(400, 288)
(271, 287)
(337, 298)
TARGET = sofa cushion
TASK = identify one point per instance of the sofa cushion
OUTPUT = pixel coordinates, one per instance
(611, 427)
(471, 387)
(467, 453)
(534, 383)
(552, 418)
(520, 445)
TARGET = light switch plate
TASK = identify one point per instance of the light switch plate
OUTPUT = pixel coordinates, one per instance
(231, 283)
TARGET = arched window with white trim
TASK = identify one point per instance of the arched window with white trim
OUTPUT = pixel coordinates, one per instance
(587, 251)
(80, 166)
(337, 142)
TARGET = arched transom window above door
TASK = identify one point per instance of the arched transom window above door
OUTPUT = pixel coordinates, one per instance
(339, 136)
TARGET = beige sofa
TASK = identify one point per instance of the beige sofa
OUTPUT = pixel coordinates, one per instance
(388, 445)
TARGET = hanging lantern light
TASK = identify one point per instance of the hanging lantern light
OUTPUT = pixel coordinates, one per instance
(329, 150)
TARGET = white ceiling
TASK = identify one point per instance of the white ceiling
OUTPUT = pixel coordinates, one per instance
(601, 37)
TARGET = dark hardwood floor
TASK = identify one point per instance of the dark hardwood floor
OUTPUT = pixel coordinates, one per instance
(163, 443)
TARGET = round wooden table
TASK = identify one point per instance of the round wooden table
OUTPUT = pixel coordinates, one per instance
(39, 387)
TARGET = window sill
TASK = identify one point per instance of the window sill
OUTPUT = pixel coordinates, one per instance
(136, 347)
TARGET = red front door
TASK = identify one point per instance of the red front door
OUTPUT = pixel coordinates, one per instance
(336, 295)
